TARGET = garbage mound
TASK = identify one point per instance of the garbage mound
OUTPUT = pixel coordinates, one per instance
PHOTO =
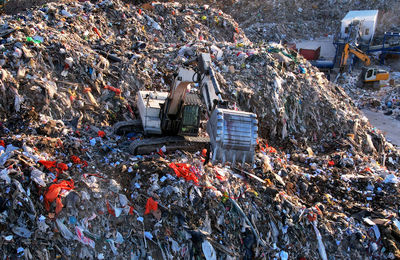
(265, 21)
(69, 188)
(64, 59)
(83, 64)
(385, 98)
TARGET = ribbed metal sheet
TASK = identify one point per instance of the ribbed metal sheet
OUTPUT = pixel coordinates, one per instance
(233, 135)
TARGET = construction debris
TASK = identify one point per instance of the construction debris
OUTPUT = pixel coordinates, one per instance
(324, 183)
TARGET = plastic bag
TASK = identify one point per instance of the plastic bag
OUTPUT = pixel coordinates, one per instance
(151, 205)
(53, 194)
(184, 170)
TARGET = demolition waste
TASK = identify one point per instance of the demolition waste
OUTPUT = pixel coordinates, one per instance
(288, 20)
(324, 184)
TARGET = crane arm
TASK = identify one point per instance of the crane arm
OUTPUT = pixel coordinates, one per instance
(179, 88)
(359, 54)
(209, 86)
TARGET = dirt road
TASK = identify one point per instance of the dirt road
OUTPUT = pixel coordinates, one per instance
(389, 126)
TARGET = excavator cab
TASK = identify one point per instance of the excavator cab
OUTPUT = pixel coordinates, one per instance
(371, 77)
(190, 120)
(191, 112)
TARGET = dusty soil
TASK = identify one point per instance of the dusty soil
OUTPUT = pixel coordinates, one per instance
(389, 126)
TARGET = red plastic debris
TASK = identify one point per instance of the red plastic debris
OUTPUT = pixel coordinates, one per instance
(268, 149)
(75, 159)
(96, 31)
(312, 216)
(151, 205)
(130, 111)
(331, 163)
(84, 163)
(101, 134)
(61, 167)
(50, 165)
(184, 170)
(59, 205)
(161, 153)
(219, 177)
(110, 209)
(366, 169)
(204, 152)
(2, 143)
(117, 91)
(53, 193)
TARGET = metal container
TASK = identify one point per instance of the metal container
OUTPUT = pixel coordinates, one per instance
(233, 135)
(148, 103)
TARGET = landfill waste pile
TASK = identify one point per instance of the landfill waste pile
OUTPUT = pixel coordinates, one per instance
(287, 20)
(324, 184)
(386, 98)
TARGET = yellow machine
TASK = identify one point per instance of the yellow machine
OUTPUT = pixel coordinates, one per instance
(369, 77)
(359, 54)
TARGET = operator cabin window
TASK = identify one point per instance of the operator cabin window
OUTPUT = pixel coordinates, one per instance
(190, 115)
(367, 31)
(369, 74)
(346, 30)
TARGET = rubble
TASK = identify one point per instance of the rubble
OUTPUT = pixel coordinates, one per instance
(385, 98)
(324, 183)
(292, 20)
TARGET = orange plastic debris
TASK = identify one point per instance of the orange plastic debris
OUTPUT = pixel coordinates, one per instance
(117, 91)
(184, 170)
(53, 193)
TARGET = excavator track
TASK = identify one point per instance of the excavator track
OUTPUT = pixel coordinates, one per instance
(124, 127)
(172, 143)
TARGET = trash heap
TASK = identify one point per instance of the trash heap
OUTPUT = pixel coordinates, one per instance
(292, 20)
(323, 183)
(386, 98)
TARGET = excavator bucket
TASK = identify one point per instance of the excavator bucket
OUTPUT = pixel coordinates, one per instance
(233, 135)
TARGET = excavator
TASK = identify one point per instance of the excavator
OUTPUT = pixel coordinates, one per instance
(172, 119)
(369, 77)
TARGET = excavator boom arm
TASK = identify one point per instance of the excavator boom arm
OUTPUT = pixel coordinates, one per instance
(359, 54)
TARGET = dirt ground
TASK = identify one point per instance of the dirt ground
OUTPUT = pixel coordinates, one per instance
(389, 126)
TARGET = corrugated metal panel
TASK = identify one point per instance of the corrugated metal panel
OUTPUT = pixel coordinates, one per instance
(233, 135)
